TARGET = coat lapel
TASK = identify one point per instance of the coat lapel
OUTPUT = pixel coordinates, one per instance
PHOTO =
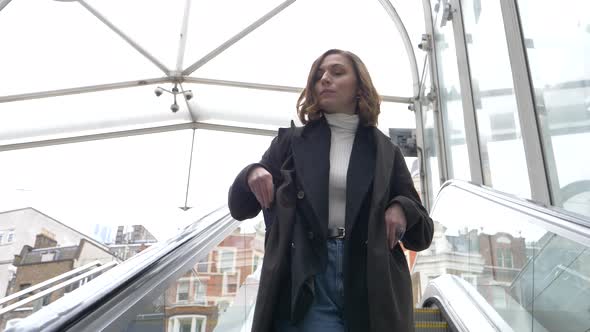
(311, 153)
(361, 170)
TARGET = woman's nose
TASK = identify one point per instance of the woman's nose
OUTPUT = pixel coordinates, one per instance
(325, 78)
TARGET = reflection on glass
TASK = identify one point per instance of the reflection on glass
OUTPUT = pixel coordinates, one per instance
(562, 93)
(535, 279)
(217, 294)
(450, 99)
(495, 103)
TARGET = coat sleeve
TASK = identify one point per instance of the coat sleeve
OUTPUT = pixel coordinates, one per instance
(241, 201)
(420, 227)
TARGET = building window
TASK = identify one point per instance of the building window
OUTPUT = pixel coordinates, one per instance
(226, 259)
(230, 283)
(187, 323)
(200, 292)
(1, 237)
(504, 257)
(203, 265)
(10, 237)
(182, 291)
(47, 256)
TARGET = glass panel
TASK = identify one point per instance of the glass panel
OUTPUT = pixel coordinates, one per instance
(155, 25)
(535, 279)
(495, 103)
(450, 98)
(88, 113)
(358, 26)
(562, 92)
(213, 22)
(56, 45)
(215, 301)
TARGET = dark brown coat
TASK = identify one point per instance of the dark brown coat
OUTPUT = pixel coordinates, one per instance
(377, 284)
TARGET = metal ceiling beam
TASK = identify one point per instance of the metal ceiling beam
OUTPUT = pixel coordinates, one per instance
(183, 36)
(188, 105)
(136, 132)
(237, 37)
(401, 28)
(83, 89)
(280, 88)
(125, 37)
(4, 3)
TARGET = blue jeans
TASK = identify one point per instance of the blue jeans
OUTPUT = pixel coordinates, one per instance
(325, 313)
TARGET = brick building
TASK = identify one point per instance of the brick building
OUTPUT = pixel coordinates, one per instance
(47, 260)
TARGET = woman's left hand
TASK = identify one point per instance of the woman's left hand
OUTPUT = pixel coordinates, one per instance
(395, 224)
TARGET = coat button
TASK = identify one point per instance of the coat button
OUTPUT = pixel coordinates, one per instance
(293, 245)
(300, 194)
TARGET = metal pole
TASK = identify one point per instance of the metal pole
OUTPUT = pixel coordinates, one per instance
(537, 163)
(469, 116)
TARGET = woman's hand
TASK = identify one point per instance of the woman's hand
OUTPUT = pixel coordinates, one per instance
(260, 183)
(395, 224)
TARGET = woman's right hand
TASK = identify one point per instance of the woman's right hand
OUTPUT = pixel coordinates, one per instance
(261, 185)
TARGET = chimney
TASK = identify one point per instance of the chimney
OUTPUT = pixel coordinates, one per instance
(44, 240)
(18, 258)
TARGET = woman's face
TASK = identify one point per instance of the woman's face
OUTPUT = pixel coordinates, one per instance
(336, 85)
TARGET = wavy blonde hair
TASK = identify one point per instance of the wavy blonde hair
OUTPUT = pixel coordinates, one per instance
(368, 100)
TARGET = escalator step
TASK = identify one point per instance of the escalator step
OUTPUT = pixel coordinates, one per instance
(431, 326)
(427, 315)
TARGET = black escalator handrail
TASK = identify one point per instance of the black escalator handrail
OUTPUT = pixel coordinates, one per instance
(556, 220)
(462, 306)
(69, 310)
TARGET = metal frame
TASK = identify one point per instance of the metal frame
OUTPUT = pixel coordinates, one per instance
(179, 77)
(469, 116)
(401, 28)
(189, 70)
(537, 165)
(4, 3)
(438, 118)
(136, 132)
(83, 89)
(183, 36)
(425, 188)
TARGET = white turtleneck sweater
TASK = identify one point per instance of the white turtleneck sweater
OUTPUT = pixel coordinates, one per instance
(343, 128)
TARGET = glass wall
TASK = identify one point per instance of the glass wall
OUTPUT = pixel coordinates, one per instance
(500, 139)
(450, 97)
(559, 59)
(534, 279)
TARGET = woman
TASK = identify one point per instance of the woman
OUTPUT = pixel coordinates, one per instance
(337, 197)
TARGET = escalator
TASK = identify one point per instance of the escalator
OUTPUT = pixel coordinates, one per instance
(497, 263)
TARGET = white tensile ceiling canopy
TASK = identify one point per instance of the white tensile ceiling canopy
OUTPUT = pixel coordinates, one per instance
(83, 70)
